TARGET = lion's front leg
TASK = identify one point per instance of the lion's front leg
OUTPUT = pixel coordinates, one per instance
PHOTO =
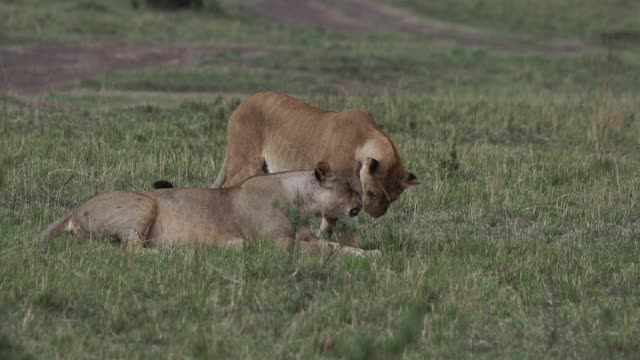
(329, 227)
(305, 234)
(327, 247)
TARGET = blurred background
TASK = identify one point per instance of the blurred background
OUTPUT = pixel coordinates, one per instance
(75, 48)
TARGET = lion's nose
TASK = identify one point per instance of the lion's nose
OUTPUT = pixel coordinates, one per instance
(353, 212)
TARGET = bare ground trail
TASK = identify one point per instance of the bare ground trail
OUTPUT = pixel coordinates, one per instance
(61, 66)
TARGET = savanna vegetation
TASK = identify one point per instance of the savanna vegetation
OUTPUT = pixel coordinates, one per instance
(522, 241)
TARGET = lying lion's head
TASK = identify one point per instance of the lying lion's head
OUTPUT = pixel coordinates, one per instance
(336, 196)
(382, 183)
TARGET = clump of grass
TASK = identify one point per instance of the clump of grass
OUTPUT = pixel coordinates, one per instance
(448, 164)
(609, 119)
(9, 350)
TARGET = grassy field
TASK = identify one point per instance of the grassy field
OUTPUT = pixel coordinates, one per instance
(573, 19)
(522, 241)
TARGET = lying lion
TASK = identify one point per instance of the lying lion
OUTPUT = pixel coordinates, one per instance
(218, 217)
(271, 132)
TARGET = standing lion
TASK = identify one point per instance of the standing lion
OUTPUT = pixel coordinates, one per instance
(271, 132)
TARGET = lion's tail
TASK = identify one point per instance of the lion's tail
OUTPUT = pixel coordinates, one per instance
(222, 175)
(56, 228)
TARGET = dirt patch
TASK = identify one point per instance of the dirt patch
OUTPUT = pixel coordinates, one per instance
(61, 66)
(366, 15)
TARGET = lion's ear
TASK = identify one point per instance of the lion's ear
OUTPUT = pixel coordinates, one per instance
(323, 172)
(411, 180)
(373, 165)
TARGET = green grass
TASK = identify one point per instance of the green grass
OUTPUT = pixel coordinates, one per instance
(226, 78)
(393, 68)
(579, 19)
(521, 242)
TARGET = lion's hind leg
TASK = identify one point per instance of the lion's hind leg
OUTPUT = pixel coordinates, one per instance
(244, 157)
(126, 216)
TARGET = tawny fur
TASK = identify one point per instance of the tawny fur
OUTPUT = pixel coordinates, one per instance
(277, 132)
(215, 217)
